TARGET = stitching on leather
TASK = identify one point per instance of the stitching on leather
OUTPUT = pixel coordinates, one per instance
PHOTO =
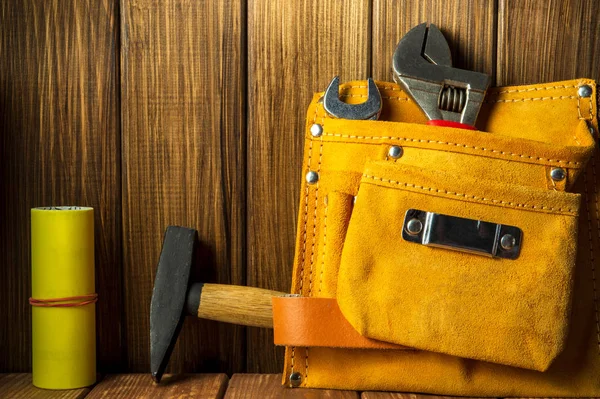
(306, 366)
(394, 98)
(314, 237)
(304, 235)
(324, 245)
(450, 144)
(470, 196)
(293, 354)
(397, 98)
(580, 115)
(380, 87)
(517, 100)
(304, 232)
(534, 89)
(491, 92)
(314, 234)
(314, 228)
(591, 242)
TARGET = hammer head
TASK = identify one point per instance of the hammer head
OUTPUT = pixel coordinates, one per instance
(168, 306)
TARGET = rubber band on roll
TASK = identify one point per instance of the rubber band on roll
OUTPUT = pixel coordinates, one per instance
(67, 302)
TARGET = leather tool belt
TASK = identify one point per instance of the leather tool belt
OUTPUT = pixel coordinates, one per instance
(449, 261)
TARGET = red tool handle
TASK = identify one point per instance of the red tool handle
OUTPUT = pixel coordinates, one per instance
(458, 125)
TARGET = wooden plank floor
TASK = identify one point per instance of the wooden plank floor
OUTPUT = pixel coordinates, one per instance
(182, 386)
(172, 386)
(13, 386)
(269, 386)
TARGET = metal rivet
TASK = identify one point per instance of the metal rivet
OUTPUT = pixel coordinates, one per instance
(414, 226)
(557, 174)
(320, 100)
(295, 379)
(584, 91)
(312, 177)
(316, 130)
(508, 242)
(395, 152)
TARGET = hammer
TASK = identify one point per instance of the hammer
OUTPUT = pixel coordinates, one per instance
(175, 297)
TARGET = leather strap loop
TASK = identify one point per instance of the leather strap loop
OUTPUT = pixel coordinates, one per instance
(318, 322)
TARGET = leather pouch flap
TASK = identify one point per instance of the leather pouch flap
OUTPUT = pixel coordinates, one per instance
(507, 311)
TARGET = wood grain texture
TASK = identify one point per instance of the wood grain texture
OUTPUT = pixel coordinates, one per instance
(394, 395)
(183, 162)
(59, 145)
(294, 50)
(468, 25)
(248, 306)
(141, 386)
(18, 386)
(266, 386)
(545, 41)
(188, 71)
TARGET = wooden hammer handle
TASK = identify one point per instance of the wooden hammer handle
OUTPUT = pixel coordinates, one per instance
(248, 306)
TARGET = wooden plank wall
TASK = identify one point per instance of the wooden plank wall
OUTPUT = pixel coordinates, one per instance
(191, 113)
(283, 74)
(183, 160)
(61, 145)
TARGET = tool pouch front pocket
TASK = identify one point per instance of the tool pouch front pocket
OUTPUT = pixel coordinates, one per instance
(484, 273)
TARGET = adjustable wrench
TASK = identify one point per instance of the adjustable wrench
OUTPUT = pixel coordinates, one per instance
(449, 96)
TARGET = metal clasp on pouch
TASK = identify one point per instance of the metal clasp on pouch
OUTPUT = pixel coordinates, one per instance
(461, 234)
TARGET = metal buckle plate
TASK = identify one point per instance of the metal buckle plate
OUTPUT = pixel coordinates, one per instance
(461, 234)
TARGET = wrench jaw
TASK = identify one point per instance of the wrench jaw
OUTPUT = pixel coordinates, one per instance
(435, 47)
(368, 110)
(423, 67)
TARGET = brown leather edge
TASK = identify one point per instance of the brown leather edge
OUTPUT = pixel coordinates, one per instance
(318, 322)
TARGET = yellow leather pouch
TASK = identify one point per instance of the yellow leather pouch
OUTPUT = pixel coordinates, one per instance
(467, 304)
(477, 325)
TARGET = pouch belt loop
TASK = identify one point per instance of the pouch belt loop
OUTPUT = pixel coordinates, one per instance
(318, 322)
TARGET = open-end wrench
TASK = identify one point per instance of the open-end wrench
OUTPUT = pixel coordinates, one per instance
(369, 109)
(423, 66)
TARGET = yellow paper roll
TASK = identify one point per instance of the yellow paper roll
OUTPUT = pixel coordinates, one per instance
(62, 265)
